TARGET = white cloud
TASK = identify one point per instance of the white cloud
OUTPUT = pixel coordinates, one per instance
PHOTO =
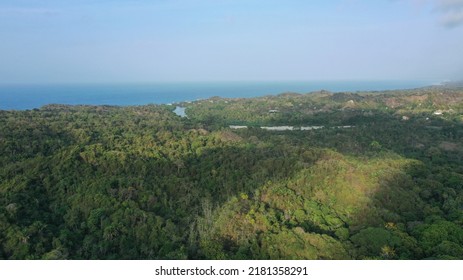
(451, 12)
(452, 19)
(450, 4)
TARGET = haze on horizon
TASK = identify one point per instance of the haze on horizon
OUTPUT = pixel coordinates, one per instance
(98, 41)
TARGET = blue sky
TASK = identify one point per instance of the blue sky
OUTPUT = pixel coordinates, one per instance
(103, 41)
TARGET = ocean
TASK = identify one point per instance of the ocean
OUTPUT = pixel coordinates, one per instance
(23, 97)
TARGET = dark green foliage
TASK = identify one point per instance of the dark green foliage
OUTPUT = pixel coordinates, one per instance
(86, 182)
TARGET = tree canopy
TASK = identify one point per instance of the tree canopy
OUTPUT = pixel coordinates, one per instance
(140, 182)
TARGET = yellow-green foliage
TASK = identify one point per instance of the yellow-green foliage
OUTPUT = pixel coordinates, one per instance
(295, 243)
(311, 213)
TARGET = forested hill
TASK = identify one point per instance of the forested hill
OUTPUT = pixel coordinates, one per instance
(381, 178)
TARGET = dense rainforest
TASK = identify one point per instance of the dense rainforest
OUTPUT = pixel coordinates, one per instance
(374, 175)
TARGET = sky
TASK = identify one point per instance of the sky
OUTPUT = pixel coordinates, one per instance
(132, 41)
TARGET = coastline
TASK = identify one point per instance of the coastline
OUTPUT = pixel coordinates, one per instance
(27, 97)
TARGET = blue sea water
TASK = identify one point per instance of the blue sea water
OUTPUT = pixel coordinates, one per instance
(21, 97)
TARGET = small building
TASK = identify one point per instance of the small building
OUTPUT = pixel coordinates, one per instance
(273, 111)
(438, 113)
(312, 127)
(277, 128)
(344, 126)
(238, 126)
